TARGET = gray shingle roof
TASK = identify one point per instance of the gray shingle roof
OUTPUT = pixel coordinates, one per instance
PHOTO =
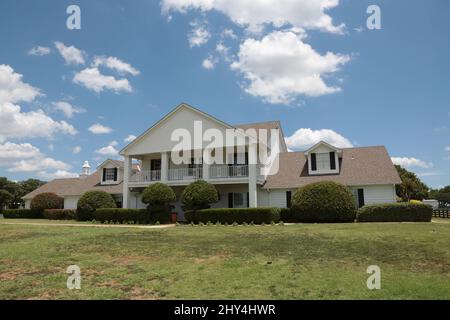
(359, 166)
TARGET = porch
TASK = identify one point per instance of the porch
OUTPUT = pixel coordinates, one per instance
(147, 176)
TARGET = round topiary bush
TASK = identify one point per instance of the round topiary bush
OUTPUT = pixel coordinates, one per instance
(48, 200)
(323, 202)
(91, 201)
(158, 194)
(199, 195)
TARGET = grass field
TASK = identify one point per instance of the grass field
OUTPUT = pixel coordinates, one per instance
(326, 261)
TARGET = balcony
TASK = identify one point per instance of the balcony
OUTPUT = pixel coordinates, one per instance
(216, 172)
(145, 176)
(180, 174)
(225, 171)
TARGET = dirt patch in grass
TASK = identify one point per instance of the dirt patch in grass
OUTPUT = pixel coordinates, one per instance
(220, 257)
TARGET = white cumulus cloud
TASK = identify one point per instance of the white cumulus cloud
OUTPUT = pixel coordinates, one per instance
(99, 129)
(12, 89)
(33, 124)
(254, 14)
(76, 150)
(39, 51)
(208, 64)
(281, 67)
(16, 123)
(68, 109)
(109, 150)
(71, 55)
(411, 162)
(92, 79)
(26, 158)
(304, 138)
(116, 64)
(199, 34)
(129, 138)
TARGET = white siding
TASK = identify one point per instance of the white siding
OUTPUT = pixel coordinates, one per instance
(27, 204)
(136, 201)
(378, 194)
(70, 202)
(263, 197)
(277, 197)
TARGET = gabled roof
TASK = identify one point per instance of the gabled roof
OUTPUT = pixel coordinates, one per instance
(268, 126)
(167, 116)
(322, 143)
(78, 186)
(359, 166)
(116, 163)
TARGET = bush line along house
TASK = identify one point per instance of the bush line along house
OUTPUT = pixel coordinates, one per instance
(367, 171)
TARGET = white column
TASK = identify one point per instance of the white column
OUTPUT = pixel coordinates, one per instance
(206, 161)
(126, 179)
(252, 160)
(164, 166)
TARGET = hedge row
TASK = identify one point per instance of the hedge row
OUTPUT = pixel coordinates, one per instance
(23, 214)
(137, 216)
(244, 215)
(59, 214)
(396, 212)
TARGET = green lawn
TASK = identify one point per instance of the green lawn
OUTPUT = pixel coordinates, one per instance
(326, 261)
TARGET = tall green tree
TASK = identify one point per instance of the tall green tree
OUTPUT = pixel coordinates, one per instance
(411, 188)
(19, 189)
(5, 199)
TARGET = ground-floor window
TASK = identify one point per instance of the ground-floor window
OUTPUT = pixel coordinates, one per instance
(358, 195)
(238, 200)
(288, 199)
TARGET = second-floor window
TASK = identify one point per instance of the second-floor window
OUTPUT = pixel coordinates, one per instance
(109, 174)
(323, 161)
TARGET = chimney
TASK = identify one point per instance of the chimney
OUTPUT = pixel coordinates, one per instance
(86, 170)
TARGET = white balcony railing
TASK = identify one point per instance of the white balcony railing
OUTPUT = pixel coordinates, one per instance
(224, 171)
(144, 176)
(185, 174)
(180, 174)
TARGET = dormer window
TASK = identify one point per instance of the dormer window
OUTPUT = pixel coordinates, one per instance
(109, 174)
(323, 159)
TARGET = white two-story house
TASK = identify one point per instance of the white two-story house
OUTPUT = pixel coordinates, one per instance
(237, 170)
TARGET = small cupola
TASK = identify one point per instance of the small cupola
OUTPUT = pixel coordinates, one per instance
(86, 170)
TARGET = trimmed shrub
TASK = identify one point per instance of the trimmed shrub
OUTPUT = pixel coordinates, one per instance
(230, 215)
(286, 215)
(22, 214)
(59, 214)
(161, 216)
(395, 212)
(199, 195)
(325, 201)
(158, 194)
(47, 200)
(91, 201)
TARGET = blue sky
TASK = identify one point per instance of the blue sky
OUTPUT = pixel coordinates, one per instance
(321, 72)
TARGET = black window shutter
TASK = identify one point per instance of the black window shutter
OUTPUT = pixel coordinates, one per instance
(288, 199)
(246, 158)
(361, 198)
(230, 200)
(115, 174)
(333, 160)
(313, 162)
(248, 200)
(104, 174)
